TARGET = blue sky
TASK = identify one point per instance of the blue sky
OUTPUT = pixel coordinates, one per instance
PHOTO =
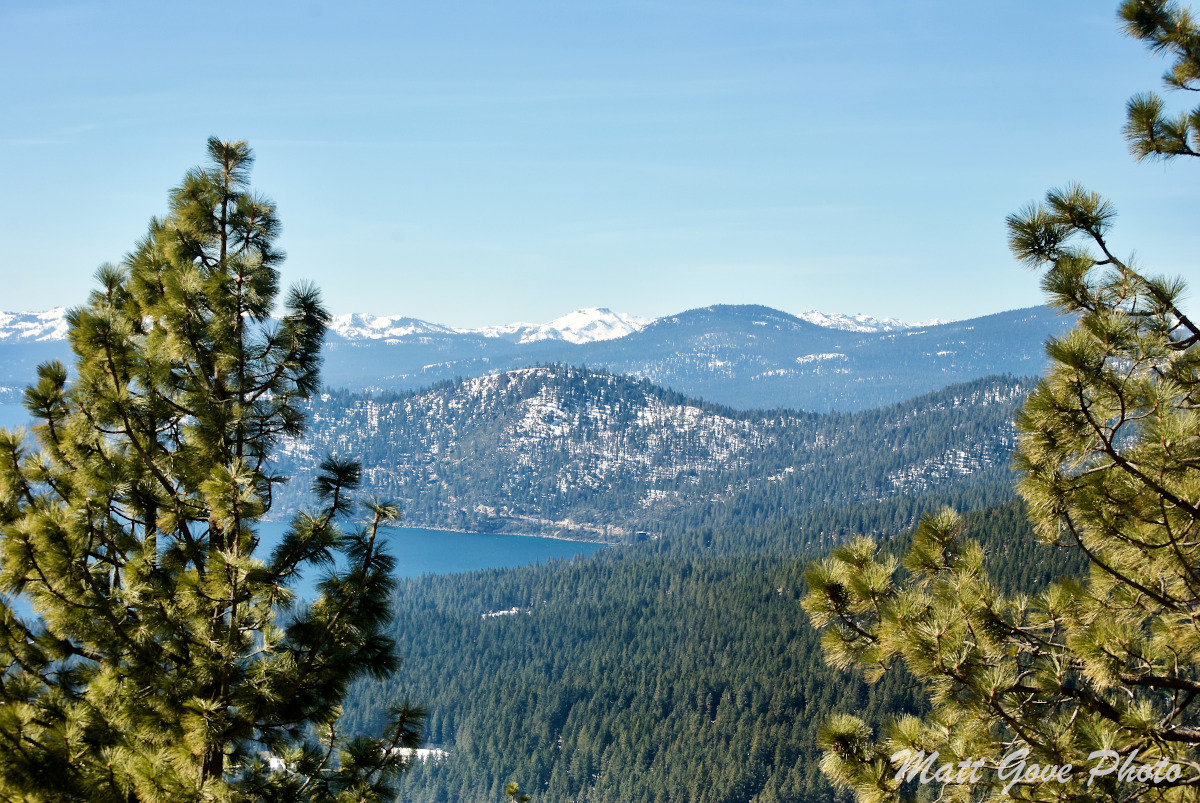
(476, 163)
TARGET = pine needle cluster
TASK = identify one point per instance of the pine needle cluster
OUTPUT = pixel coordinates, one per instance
(1170, 29)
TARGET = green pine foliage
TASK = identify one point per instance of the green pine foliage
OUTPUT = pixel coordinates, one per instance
(654, 672)
(1108, 455)
(166, 659)
(1167, 28)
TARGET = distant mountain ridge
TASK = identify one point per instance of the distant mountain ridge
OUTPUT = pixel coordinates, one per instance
(744, 356)
(585, 325)
(580, 326)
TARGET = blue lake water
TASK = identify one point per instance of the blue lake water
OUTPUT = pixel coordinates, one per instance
(419, 551)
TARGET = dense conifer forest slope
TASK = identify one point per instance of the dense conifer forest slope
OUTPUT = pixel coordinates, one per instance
(585, 454)
(659, 672)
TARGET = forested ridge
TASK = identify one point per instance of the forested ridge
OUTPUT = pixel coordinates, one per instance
(570, 451)
(654, 672)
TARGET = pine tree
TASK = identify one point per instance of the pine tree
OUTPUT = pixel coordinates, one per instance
(168, 659)
(1109, 464)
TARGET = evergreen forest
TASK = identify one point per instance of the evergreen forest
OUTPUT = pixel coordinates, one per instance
(681, 669)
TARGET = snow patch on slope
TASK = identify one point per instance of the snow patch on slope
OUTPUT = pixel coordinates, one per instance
(807, 358)
(860, 323)
(580, 326)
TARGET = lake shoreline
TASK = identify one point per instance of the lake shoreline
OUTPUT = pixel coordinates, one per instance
(409, 526)
(518, 535)
(426, 550)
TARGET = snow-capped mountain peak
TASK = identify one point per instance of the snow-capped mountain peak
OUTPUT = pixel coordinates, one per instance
(597, 323)
(860, 323)
(363, 326)
(579, 326)
(33, 327)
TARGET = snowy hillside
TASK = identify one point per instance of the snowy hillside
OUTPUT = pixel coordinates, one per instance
(361, 326)
(861, 323)
(581, 326)
(570, 451)
(33, 327)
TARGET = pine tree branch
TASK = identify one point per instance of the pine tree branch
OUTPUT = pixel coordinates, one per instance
(1149, 286)
(1188, 735)
(1161, 682)
(1094, 558)
(146, 460)
(325, 760)
(1129, 466)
